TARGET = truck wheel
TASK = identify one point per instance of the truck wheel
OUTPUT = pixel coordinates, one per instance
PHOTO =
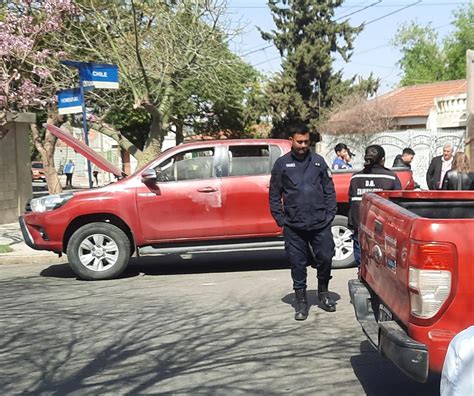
(98, 251)
(344, 251)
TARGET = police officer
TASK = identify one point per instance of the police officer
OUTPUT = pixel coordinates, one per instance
(303, 201)
(374, 177)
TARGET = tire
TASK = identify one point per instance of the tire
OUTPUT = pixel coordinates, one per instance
(344, 257)
(87, 249)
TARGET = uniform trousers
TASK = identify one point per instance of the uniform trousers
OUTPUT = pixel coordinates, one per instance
(296, 248)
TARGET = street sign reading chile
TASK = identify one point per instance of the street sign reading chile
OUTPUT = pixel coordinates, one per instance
(100, 75)
(69, 101)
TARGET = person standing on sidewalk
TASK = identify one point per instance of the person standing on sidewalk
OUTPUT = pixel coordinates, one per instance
(303, 202)
(69, 170)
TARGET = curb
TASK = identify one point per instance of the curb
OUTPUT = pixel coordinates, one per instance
(51, 258)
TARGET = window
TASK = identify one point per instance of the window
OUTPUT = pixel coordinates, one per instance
(249, 160)
(188, 165)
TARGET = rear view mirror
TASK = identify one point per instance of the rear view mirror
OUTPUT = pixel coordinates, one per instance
(149, 176)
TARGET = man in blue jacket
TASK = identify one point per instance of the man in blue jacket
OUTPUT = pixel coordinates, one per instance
(303, 202)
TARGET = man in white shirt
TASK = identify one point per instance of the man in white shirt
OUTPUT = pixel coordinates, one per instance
(438, 168)
(457, 378)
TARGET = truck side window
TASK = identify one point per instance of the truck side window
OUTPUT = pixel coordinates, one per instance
(188, 165)
(249, 160)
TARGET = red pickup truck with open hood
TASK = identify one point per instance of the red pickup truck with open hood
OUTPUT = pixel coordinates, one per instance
(202, 196)
(416, 286)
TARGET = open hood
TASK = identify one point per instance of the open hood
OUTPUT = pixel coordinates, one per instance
(86, 151)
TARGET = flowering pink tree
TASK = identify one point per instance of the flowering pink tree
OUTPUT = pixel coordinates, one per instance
(30, 72)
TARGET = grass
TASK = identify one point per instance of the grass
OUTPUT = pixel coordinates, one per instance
(5, 249)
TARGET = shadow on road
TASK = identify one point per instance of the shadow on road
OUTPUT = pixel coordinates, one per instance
(174, 264)
(197, 263)
(313, 299)
(379, 376)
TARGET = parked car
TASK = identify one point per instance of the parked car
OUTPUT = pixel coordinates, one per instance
(37, 171)
(416, 288)
(202, 196)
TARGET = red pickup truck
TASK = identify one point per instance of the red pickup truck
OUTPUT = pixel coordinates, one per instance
(415, 291)
(203, 196)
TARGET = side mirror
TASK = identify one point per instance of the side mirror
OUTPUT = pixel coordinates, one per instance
(149, 176)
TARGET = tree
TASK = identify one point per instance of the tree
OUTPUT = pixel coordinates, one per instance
(356, 115)
(30, 71)
(423, 60)
(457, 43)
(308, 37)
(165, 51)
(427, 59)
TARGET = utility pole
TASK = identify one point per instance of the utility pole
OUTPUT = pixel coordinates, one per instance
(470, 106)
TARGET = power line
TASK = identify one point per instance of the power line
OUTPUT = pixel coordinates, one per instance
(362, 9)
(266, 61)
(386, 5)
(393, 12)
(257, 50)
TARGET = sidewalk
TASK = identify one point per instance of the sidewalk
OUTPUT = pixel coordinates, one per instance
(10, 235)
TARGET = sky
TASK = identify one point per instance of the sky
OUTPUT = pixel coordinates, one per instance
(373, 51)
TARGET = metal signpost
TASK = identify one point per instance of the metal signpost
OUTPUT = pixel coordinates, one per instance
(91, 75)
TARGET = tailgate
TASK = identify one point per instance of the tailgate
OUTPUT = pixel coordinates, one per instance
(384, 235)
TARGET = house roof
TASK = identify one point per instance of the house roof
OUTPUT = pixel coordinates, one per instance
(417, 100)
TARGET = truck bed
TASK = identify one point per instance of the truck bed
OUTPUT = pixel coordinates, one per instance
(406, 237)
(436, 209)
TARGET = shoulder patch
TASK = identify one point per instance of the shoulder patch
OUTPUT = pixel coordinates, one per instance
(329, 173)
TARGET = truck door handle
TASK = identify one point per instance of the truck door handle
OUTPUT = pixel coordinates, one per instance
(207, 189)
(378, 227)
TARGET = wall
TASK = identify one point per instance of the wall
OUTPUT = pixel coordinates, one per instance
(426, 144)
(15, 167)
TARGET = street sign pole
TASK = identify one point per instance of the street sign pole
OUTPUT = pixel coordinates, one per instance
(84, 126)
(95, 75)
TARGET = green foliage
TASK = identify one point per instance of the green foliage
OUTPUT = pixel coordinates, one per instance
(5, 249)
(427, 59)
(222, 103)
(133, 123)
(176, 69)
(308, 38)
(459, 42)
(422, 61)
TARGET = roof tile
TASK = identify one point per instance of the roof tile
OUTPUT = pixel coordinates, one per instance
(417, 100)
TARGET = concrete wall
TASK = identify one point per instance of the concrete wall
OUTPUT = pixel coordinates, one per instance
(15, 166)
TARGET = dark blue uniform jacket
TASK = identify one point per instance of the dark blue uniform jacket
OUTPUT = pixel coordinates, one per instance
(302, 192)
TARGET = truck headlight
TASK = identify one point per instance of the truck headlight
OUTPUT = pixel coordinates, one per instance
(49, 202)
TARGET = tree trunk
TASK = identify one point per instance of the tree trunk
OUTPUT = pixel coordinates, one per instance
(46, 148)
(179, 132)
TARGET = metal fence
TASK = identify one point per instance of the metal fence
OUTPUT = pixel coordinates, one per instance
(425, 142)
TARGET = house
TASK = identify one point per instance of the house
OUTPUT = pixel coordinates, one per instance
(436, 105)
(423, 117)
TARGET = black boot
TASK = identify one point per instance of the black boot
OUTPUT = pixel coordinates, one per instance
(301, 304)
(327, 303)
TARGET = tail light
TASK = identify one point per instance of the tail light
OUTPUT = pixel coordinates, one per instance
(431, 267)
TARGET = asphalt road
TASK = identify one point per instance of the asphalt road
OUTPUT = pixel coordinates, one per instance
(213, 324)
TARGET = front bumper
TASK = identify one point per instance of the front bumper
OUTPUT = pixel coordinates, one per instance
(26, 234)
(37, 235)
(388, 337)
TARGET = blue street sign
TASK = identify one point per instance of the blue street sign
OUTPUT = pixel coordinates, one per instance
(100, 75)
(70, 101)
(91, 75)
